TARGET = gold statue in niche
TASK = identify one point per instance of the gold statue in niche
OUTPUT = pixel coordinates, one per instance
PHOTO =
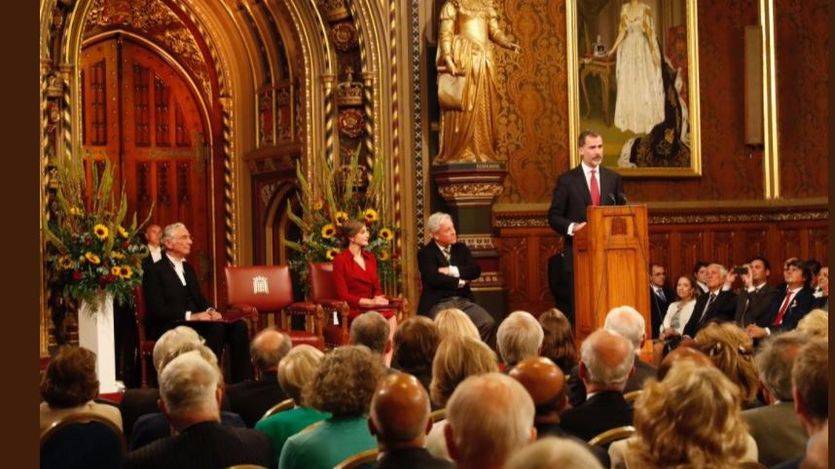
(467, 91)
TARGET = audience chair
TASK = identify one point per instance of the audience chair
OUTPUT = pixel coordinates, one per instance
(146, 347)
(633, 396)
(363, 459)
(438, 415)
(286, 404)
(609, 436)
(254, 291)
(83, 440)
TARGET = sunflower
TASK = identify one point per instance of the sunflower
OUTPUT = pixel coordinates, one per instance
(76, 211)
(318, 204)
(341, 217)
(65, 262)
(385, 255)
(331, 253)
(117, 255)
(101, 231)
(92, 258)
(125, 272)
(114, 270)
(386, 234)
(122, 232)
(371, 215)
(328, 231)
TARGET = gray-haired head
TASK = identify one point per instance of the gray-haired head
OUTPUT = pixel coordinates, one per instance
(171, 340)
(628, 322)
(774, 361)
(519, 336)
(607, 358)
(168, 232)
(433, 224)
(188, 384)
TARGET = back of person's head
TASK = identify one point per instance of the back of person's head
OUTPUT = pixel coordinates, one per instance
(70, 379)
(553, 452)
(186, 347)
(268, 348)
(774, 361)
(683, 352)
(172, 339)
(628, 322)
(400, 410)
(558, 339)
(544, 381)
(454, 322)
(519, 336)
(415, 342)
(489, 417)
(188, 385)
(456, 359)
(606, 359)
(815, 324)
(298, 368)
(810, 381)
(693, 417)
(345, 381)
(731, 350)
(372, 330)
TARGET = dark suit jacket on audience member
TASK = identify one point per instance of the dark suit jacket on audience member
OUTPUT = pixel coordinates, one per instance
(206, 445)
(659, 308)
(755, 307)
(436, 286)
(800, 306)
(166, 299)
(777, 430)
(602, 411)
(250, 398)
(152, 427)
(577, 390)
(142, 401)
(722, 309)
(416, 458)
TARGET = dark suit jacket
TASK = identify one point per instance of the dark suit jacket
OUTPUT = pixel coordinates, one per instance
(205, 445)
(777, 431)
(417, 458)
(571, 197)
(250, 398)
(166, 299)
(659, 307)
(800, 306)
(755, 307)
(603, 411)
(141, 401)
(722, 309)
(577, 390)
(437, 286)
(152, 427)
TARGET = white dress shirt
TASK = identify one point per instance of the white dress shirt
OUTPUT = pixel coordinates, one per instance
(180, 271)
(156, 252)
(587, 173)
(453, 270)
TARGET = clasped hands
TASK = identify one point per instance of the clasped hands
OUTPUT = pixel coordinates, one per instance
(379, 300)
(208, 315)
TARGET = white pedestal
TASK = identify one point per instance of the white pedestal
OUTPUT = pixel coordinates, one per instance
(95, 333)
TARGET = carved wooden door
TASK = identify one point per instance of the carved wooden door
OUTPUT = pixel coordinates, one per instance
(140, 113)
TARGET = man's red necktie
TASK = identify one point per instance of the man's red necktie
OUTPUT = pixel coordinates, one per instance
(783, 308)
(595, 189)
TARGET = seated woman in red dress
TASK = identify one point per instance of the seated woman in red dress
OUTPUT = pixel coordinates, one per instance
(355, 276)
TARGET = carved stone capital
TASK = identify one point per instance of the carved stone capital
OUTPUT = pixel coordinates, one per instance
(470, 185)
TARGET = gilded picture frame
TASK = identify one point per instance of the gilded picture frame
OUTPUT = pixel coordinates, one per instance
(643, 98)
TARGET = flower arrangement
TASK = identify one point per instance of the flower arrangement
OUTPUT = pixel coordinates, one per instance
(89, 250)
(335, 196)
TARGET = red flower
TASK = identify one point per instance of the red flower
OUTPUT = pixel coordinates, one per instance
(125, 245)
(77, 275)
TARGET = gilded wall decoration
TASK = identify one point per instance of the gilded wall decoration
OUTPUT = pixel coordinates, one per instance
(351, 122)
(344, 36)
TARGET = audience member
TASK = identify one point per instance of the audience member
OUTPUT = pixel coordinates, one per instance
(682, 353)
(817, 452)
(457, 359)
(552, 452)
(294, 370)
(415, 343)
(700, 277)
(718, 305)
(793, 302)
(399, 419)
(690, 419)
(678, 312)
(519, 336)
(490, 416)
(69, 386)
(753, 304)
(606, 361)
(822, 292)
(775, 427)
(661, 296)
(446, 269)
(815, 324)
(172, 295)
(251, 398)
(153, 235)
(190, 391)
(454, 322)
(558, 340)
(343, 386)
(372, 330)
(732, 351)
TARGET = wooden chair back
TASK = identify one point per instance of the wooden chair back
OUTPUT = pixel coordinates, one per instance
(286, 404)
(365, 458)
(615, 434)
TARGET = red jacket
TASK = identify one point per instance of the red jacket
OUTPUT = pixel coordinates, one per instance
(353, 282)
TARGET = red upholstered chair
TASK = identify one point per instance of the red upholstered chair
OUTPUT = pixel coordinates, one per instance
(146, 347)
(253, 291)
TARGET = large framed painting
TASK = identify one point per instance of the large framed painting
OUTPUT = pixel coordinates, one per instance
(634, 78)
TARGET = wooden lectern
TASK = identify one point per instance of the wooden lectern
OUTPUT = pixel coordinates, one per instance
(611, 259)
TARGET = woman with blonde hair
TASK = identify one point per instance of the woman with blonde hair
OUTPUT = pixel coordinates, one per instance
(815, 324)
(731, 350)
(691, 419)
(453, 322)
(558, 344)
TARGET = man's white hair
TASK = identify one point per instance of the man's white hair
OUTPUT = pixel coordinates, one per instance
(600, 372)
(490, 416)
(168, 232)
(433, 224)
(553, 452)
(519, 336)
(172, 340)
(628, 322)
(188, 383)
(723, 271)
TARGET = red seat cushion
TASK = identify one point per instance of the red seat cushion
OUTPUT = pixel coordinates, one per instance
(302, 337)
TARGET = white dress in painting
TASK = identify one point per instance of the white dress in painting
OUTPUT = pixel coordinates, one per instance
(639, 105)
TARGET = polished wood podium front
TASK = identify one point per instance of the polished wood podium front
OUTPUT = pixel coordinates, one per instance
(611, 261)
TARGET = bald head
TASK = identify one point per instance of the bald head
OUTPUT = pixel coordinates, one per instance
(400, 411)
(268, 348)
(682, 353)
(544, 381)
(606, 361)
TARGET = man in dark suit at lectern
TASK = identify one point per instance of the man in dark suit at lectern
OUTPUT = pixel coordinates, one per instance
(587, 184)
